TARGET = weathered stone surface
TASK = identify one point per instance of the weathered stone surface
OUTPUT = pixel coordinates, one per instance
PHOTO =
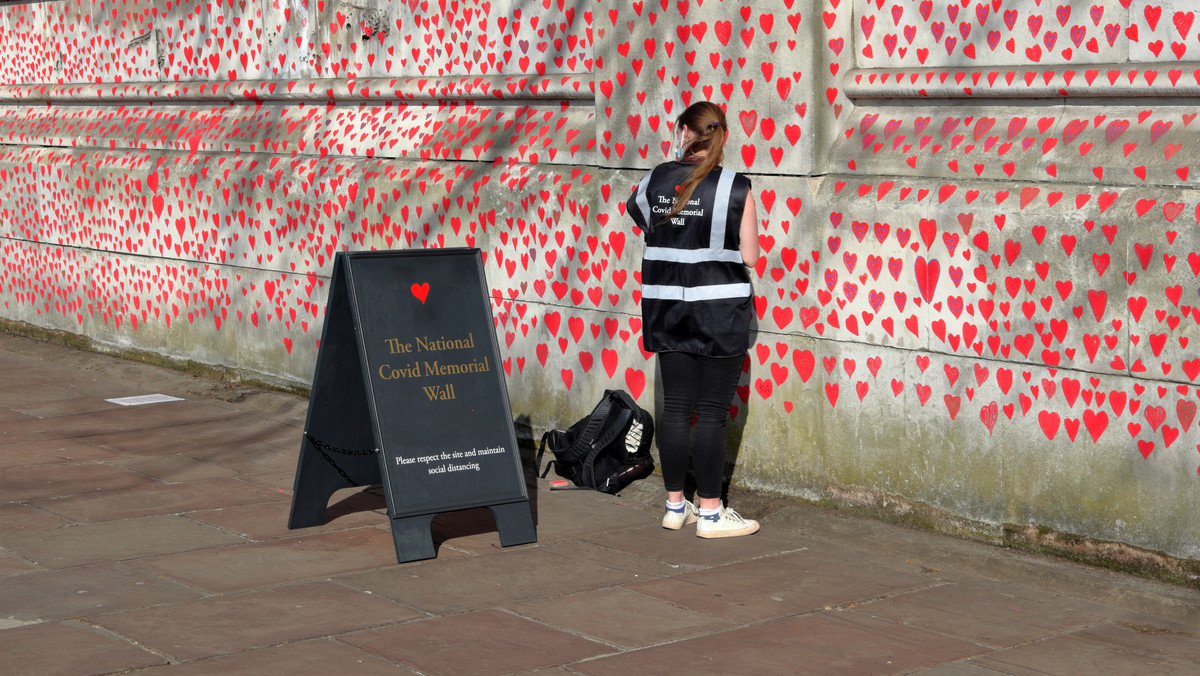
(268, 520)
(234, 623)
(258, 564)
(1107, 647)
(531, 572)
(838, 643)
(487, 640)
(288, 659)
(149, 498)
(59, 480)
(1002, 185)
(114, 541)
(755, 591)
(85, 591)
(61, 648)
(604, 615)
(993, 619)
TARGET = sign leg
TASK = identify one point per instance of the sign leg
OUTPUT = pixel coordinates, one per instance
(413, 537)
(317, 480)
(514, 520)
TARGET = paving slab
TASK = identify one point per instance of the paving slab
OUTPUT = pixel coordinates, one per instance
(950, 559)
(7, 415)
(772, 587)
(148, 497)
(173, 468)
(123, 419)
(806, 524)
(518, 574)
(1119, 591)
(484, 642)
(1107, 649)
(68, 649)
(260, 564)
(825, 644)
(563, 515)
(290, 659)
(604, 615)
(236, 622)
(37, 386)
(66, 406)
(271, 464)
(973, 614)
(85, 591)
(34, 451)
(114, 541)
(268, 520)
(187, 436)
(683, 549)
(10, 564)
(66, 479)
(957, 669)
(18, 518)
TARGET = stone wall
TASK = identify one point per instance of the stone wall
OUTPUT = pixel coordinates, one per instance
(980, 288)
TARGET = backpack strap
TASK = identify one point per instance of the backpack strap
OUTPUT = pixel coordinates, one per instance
(614, 430)
(541, 452)
(546, 470)
(587, 441)
(610, 434)
(584, 444)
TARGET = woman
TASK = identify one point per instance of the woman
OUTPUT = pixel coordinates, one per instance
(700, 225)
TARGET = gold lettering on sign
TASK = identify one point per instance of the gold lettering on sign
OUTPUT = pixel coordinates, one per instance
(439, 392)
(436, 367)
(429, 344)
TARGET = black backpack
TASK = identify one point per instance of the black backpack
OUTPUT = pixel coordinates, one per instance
(607, 450)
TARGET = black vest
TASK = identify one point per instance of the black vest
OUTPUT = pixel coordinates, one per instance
(696, 293)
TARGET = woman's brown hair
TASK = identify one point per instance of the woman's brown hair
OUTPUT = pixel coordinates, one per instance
(707, 121)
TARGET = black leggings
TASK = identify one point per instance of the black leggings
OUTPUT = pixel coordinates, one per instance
(704, 386)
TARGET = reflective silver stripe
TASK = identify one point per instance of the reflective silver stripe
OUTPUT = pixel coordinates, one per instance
(696, 293)
(716, 238)
(642, 202)
(660, 253)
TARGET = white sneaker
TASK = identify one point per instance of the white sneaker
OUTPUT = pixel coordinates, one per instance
(727, 524)
(677, 520)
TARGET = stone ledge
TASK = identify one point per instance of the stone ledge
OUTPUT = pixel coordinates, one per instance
(1180, 80)
(555, 87)
(898, 510)
(1104, 554)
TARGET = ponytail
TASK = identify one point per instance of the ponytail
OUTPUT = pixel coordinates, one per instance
(707, 121)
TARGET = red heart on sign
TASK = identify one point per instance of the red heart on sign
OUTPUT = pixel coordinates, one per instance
(421, 291)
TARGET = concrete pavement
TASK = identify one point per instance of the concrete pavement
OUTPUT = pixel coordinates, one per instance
(153, 539)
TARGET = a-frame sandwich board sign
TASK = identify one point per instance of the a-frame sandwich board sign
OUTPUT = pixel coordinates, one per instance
(409, 392)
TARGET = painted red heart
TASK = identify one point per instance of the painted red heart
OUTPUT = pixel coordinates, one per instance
(927, 273)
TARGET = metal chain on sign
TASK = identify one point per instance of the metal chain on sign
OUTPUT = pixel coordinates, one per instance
(322, 447)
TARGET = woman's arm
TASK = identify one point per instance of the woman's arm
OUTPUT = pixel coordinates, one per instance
(748, 244)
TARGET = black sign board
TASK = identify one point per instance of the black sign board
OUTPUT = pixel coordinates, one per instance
(409, 392)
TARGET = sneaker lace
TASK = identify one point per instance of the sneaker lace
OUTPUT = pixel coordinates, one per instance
(733, 516)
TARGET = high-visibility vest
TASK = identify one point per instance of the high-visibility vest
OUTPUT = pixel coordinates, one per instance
(696, 292)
